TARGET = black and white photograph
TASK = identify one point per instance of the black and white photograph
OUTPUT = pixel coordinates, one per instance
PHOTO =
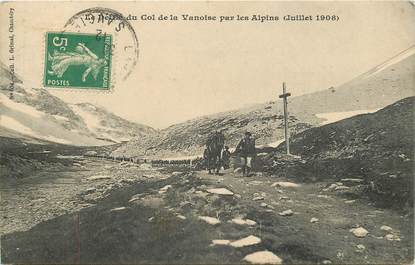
(207, 132)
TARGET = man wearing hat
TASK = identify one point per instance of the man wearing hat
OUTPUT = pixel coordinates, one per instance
(246, 149)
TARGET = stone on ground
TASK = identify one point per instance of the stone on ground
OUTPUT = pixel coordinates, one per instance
(392, 237)
(118, 209)
(351, 181)
(285, 184)
(135, 197)
(181, 217)
(237, 170)
(176, 173)
(258, 198)
(286, 213)
(349, 201)
(240, 221)
(165, 189)
(247, 241)
(360, 247)
(341, 188)
(98, 177)
(313, 220)
(331, 187)
(255, 182)
(386, 228)
(220, 191)
(359, 232)
(220, 242)
(210, 220)
(263, 257)
(90, 190)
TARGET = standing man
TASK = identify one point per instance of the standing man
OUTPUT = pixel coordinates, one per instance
(226, 157)
(246, 149)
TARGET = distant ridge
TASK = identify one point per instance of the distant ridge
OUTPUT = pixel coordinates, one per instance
(384, 84)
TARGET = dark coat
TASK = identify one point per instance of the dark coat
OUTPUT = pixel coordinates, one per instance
(246, 147)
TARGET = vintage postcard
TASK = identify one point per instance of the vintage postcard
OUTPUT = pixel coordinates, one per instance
(207, 132)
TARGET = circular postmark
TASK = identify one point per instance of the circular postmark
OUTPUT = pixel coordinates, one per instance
(105, 21)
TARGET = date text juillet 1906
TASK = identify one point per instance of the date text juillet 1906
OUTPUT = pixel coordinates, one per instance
(223, 18)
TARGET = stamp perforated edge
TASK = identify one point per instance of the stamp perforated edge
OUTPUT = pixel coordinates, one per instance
(111, 86)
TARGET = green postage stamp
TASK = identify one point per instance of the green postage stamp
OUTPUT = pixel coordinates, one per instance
(76, 60)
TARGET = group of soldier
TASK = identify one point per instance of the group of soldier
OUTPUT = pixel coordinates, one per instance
(217, 155)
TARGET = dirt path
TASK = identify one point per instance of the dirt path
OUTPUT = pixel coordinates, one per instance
(171, 219)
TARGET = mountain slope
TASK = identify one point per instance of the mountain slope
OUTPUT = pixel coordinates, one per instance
(29, 122)
(188, 138)
(377, 147)
(35, 115)
(385, 133)
(108, 126)
(382, 85)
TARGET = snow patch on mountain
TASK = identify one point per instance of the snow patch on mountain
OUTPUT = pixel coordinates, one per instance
(330, 117)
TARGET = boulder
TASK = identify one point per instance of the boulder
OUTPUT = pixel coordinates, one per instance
(210, 220)
(136, 197)
(240, 221)
(237, 170)
(181, 217)
(91, 153)
(247, 241)
(351, 181)
(386, 228)
(313, 220)
(263, 257)
(220, 242)
(359, 232)
(118, 209)
(360, 247)
(285, 184)
(165, 189)
(349, 201)
(220, 191)
(392, 237)
(98, 177)
(90, 190)
(286, 213)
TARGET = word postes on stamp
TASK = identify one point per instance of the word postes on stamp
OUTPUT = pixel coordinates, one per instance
(77, 60)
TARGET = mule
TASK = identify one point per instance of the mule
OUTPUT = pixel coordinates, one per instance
(214, 147)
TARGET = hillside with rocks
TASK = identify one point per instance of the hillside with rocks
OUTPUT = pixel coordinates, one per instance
(376, 148)
(188, 138)
(382, 85)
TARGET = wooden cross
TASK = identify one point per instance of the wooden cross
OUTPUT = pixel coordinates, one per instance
(284, 96)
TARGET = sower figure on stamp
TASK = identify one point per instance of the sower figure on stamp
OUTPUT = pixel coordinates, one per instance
(246, 150)
(61, 61)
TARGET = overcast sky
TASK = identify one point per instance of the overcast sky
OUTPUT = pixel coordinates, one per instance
(192, 69)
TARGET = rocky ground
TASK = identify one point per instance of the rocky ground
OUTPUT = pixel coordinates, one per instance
(105, 212)
(60, 189)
